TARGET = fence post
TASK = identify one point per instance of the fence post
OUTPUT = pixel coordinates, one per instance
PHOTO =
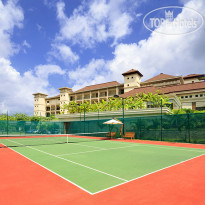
(140, 127)
(7, 127)
(189, 135)
(84, 119)
(123, 109)
(84, 112)
(161, 120)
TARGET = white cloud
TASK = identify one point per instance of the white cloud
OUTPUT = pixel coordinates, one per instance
(93, 73)
(16, 90)
(26, 44)
(63, 52)
(176, 55)
(11, 16)
(94, 22)
(39, 27)
(138, 15)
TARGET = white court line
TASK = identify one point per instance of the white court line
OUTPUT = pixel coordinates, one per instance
(148, 174)
(126, 181)
(164, 146)
(52, 171)
(103, 149)
(74, 162)
(175, 148)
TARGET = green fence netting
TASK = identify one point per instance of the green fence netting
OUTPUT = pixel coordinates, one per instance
(30, 127)
(174, 128)
(188, 128)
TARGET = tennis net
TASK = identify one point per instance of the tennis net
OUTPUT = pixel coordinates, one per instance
(49, 139)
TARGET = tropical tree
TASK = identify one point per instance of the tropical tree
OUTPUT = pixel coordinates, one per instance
(112, 104)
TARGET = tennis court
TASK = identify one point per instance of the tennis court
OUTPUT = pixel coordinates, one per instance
(94, 164)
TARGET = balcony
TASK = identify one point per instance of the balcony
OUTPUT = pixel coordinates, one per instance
(86, 97)
(79, 98)
(103, 94)
(48, 109)
(53, 108)
(111, 94)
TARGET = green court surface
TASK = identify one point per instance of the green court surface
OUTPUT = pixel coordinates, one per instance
(98, 165)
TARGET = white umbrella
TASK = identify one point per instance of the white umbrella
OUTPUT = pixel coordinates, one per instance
(113, 122)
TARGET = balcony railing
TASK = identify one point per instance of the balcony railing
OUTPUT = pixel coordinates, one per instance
(86, 97)
(103, 95)
(111, 94)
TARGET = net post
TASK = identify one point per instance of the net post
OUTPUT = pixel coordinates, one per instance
(67, 138)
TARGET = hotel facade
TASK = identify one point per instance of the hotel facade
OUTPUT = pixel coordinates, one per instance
(183, 92)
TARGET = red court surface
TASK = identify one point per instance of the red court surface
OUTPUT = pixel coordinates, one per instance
(22, 182)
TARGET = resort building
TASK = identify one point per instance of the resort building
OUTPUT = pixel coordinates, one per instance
(183, 91)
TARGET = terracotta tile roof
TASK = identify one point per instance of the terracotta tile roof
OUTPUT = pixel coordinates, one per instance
(160, 77)
(183, 87)
(132, 71)
(193, 75)
(148, 89)
(98, 86)
(165, 90)
(39, 94)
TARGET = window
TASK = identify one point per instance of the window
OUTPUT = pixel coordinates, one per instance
(128, 85)
(127, 78)
(201, 95)
(47, 101)
(196, 96)
(182, 97)
(190, 96)
(71, 98)
(186, 96)
(192, 81)
(96, 95)
(105, 93)
(132, 77)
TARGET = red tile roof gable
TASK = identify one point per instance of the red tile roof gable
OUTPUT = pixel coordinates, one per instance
(194, 75)
(166, 89)
(132, 71)
(161, 76)
(98, 86)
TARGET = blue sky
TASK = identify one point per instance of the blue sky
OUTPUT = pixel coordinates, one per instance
(48, 44)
